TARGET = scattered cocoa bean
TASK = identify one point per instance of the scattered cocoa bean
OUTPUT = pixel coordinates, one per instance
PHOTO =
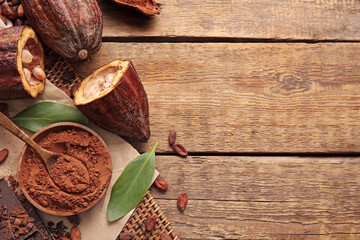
(161, 184)
(7, 11)
(164, 236)
(75, 233)
(180, 150)
(125, 236)
(172, 137)
(150, 223)
(20, 11)
(3, 155)
(65, 90)
(74, 219)
(182, 201)
(4, 108)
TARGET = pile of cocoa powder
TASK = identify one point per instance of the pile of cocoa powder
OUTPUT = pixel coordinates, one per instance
(79, 144)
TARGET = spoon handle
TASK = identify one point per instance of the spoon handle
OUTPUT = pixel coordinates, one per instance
(11, 126)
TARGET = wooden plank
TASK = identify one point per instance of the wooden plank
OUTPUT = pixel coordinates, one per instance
(262, 197)
(245, 98)
(243, 19)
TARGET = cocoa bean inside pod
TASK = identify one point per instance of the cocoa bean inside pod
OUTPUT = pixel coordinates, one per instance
(21, 53)
(148, 7)
(114, 98)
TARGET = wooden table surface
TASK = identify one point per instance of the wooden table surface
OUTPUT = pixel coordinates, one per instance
(265, 95)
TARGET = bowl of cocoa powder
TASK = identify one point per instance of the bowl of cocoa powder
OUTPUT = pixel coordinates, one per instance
(76, 141)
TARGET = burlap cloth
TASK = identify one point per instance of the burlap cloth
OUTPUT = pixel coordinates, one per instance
(94, 224)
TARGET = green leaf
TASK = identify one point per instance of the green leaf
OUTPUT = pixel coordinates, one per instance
(132, 185)
(40, 115)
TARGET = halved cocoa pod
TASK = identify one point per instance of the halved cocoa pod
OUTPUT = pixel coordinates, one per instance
(148, 7)
(21, 63)
(114, 98)
(71, 28)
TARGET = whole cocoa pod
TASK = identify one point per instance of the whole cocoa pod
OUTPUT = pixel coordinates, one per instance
(71, 28)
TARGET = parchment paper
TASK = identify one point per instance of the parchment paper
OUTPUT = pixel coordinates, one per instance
(94, 224)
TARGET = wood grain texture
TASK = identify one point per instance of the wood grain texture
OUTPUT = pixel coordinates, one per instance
(243, 19)
(246, 98)
(262, 197)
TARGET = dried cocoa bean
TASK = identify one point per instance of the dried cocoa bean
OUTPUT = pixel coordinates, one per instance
(75, 233)
(150, 223)
(182, 201)
(125, 236)
(172, 137)
(4, 108)
(20, 11)
(161, 184)
(3, 155)
(7, 11)
(74, 219)
(180, 150)
(164, 236)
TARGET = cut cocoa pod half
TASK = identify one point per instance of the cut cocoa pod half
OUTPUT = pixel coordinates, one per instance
(70, 28)
(22, 72)
(114, 98)
(148, 7)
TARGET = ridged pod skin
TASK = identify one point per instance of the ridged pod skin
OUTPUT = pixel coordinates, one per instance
(13, 84)
(123, 108)
(148, 7)
(71, 28)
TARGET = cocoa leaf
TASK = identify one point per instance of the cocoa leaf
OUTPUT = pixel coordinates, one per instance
(40, 115)
(132, 185)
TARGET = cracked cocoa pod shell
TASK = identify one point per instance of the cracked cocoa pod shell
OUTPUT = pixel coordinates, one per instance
(21, 55)
(114, 98)
(148, 7)
(71, 28)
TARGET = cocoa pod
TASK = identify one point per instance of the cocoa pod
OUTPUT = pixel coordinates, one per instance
(3, 155)
(71, 28)
(150, 223)
(120, 105)
(13, 82)
(75, 233)
(74, 219)
(125, 236)
(180, 150)
(172, 137)
(164, 236)
(4, 108)
(148, 7)
(182, 201)
(161, 184)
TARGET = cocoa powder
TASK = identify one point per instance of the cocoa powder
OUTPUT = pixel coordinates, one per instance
(76, 143)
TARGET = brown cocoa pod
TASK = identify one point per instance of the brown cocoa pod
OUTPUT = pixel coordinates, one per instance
(114, 98)
(150, 223)
(172, 137)
(3, 155)
(7, 11)
(180, 150)
(14, 72)
(164, 236)
(148, 7)
(4, 108)
(161, 184)
(182, 201)
(75, 38)
(125, 236)
(74, 219)
(75, 233)
(20, 11)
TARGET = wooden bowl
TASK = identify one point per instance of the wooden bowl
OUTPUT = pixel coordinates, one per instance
(24, 179)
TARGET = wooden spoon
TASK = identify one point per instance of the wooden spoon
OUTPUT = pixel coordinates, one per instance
(68, 173)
